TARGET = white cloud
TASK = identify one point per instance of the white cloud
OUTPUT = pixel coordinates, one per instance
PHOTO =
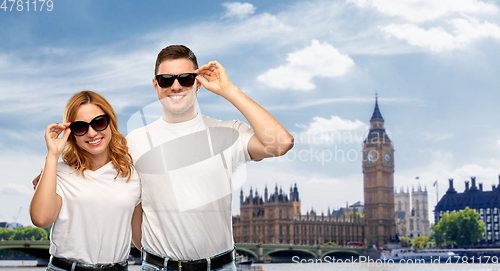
(317, 60)
(237, 9)
(335, 123)
(427, 10)
(333, 130)
(498, 142)
(436, 39)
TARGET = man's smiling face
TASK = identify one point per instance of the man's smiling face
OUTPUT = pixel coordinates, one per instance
(178, 102)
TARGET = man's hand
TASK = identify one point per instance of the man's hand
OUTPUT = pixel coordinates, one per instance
(215, 78)
(36, 180)
(271, 139)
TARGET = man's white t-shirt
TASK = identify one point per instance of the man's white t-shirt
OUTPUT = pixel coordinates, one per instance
(94, 224)
(186, 171)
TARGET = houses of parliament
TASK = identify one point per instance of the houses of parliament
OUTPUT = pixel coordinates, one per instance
(275, 217)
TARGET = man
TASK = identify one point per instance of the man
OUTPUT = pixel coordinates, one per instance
(186, 163)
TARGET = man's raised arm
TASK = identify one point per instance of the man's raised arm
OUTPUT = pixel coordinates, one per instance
(271, 138)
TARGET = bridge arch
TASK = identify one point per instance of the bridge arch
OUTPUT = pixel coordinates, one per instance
(301, 253)
(343, 254)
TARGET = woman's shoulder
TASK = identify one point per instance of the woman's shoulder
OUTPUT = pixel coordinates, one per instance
(66, 173)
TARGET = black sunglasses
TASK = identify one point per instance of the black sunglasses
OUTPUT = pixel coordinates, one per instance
(99, 123)
(167, 80)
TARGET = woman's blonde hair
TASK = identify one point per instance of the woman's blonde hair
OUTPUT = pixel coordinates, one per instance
(74, 156)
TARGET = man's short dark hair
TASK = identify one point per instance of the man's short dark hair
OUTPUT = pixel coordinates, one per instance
(175, 52)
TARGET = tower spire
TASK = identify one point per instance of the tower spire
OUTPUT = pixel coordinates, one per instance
(265, 194)
(377, 116)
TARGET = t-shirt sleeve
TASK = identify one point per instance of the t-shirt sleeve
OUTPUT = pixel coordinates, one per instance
(245, 132)
(62, 172)
(59, 188)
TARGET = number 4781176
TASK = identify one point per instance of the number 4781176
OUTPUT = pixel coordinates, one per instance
(20, 5)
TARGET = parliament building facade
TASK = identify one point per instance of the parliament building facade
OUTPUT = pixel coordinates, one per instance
(276, 219)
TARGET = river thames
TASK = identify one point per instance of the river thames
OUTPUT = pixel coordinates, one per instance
(30, 266)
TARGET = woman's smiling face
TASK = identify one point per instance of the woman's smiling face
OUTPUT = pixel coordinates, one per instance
(93, 143)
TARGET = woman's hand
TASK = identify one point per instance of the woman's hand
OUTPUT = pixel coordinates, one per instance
(55, 145)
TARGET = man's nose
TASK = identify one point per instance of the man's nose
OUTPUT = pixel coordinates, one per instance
(176, 86)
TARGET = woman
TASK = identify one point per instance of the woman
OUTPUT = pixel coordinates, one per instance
(92, 198)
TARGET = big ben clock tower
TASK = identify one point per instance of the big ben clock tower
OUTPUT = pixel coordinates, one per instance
(378, 182)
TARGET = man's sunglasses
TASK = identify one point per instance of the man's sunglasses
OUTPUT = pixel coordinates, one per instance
(167, 80)
(99, 123)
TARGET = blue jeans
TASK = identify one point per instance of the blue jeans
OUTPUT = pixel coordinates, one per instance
(149, 267)
(51, 267)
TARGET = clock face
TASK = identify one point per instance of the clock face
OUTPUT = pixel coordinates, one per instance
(387, 157)
(370, 157)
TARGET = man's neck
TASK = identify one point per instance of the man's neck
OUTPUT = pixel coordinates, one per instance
(174, 118)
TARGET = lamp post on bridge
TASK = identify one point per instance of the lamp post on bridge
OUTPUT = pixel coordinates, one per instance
(319, 248)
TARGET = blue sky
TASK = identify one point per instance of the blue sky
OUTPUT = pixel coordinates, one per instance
(315, 65)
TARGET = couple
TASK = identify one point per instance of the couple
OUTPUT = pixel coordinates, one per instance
(183, 163)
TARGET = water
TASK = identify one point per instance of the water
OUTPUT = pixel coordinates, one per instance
(31, 266)
(16, 265)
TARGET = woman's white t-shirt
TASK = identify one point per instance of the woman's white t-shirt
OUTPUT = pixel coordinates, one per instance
(94, 224)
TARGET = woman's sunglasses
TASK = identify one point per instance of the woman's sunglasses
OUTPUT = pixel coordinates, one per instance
(167, 80)
(99, 123)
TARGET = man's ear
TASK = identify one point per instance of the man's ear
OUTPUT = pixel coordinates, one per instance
(155, 85)
(198, 85)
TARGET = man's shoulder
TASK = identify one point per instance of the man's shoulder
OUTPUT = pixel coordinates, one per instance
(141, 131)
(211, 122)
(233, 128)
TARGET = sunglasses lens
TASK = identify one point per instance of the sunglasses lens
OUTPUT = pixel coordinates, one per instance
(165, 80)
(79, 128)
(186, 79)
(99, 123)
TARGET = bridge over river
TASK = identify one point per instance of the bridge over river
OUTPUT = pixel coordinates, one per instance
(258, 252)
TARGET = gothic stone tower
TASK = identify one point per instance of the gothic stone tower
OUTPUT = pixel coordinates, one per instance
(419, 226)
(378, 182)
